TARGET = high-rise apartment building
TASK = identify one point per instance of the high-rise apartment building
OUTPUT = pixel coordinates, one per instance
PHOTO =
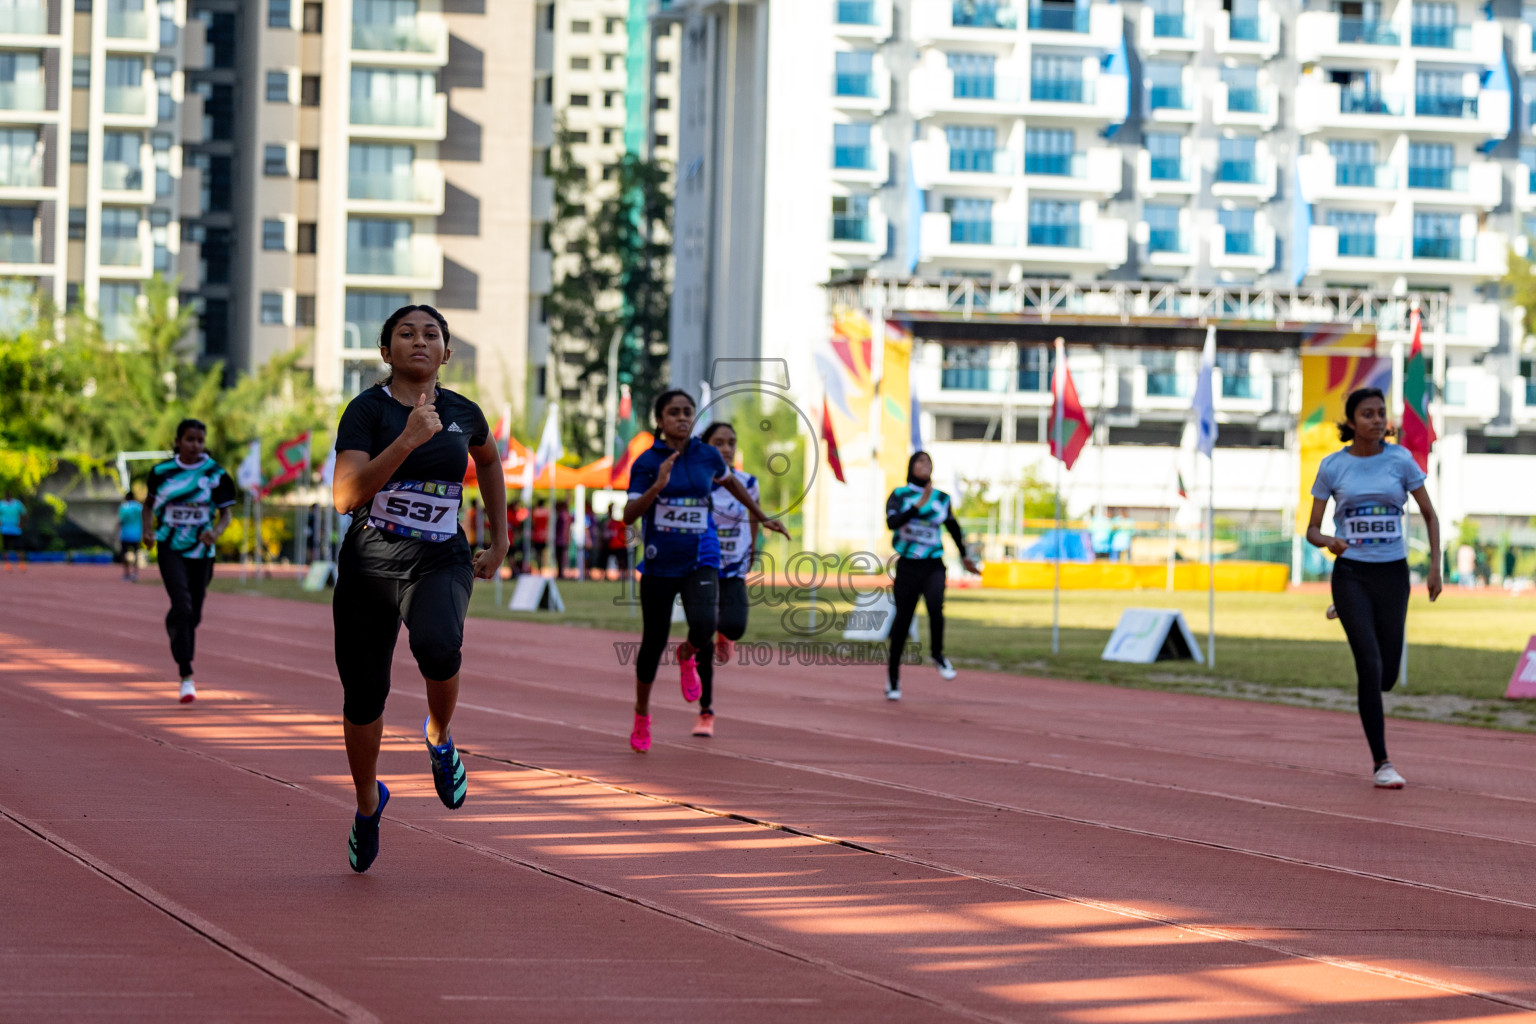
(360, 155)
(90, 146)
(983, 165)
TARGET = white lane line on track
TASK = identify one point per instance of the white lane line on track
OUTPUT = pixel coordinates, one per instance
(1220, 934)
(321, 995)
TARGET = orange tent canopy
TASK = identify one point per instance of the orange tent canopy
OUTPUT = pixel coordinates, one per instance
(593, 476)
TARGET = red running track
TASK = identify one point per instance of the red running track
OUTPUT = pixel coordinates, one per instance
(991, 849)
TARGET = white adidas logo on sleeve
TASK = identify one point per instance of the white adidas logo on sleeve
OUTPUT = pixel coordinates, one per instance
(453, 428)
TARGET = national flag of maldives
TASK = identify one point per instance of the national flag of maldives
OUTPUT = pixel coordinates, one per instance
(1417, 433)
(623, 432)
(833, 459)
(1183, 491)
(1069, 422)
(291, 455)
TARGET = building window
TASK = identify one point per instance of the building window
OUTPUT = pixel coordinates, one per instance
(611, 61)
(580, 63)
(280, 13)
(365, 314)
(610, 98)
(79, 147)
(607, 136)
(80, 75)
(850, 219)
(309, 165)
(612, 25)
(663, 103)
(1048, 151)
(77, 223)
(854, 73)
(1356, 231)
(579, 99)
(161, 142)
(576, 138)
(663, 67)
(274, 162)
(159, 218)
(1238, 227)
(309, 91)
(272, 307)
(165, 185)
(304, 310)
(850, 147)
(581, 28)
(1163, 234)
(610, 171)
(274, 235)
(661, 141)
(1236, 376)
(313, 18)
(277, 86)
(305, 240)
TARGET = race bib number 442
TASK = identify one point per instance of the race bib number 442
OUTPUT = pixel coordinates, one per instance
(419, 509)
(1373, 524)
(682, 515)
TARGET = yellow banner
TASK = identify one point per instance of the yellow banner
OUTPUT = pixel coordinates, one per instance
(1326, 381)
(896, 405)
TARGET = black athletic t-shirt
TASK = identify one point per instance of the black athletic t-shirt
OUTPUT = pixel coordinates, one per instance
(371, 423)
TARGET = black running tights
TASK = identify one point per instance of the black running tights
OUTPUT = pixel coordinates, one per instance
(700, 597)
(1372, 602)
(186, 581)
(917, 578)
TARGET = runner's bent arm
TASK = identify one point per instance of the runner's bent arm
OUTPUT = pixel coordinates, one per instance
(637, 506)
(1315, 535)
(895, 516)
(358, 478)
(759, 517)
(493, 491)
(1432, 527)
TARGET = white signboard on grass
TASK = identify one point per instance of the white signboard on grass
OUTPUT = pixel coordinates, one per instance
(870, 618)
(1145, 635)
(536, 594)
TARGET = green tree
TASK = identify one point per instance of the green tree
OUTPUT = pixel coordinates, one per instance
(41, 380)
(1519, 287)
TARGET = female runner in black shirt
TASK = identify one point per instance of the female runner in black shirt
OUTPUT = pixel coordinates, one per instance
(401, 453)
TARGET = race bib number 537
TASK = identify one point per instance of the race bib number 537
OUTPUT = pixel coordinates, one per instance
(419, 509)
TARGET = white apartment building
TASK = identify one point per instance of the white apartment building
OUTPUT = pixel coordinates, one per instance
(966, 157)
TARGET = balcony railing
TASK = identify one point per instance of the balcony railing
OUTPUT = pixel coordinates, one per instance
(1436, 248)
(390, 188)
(121, 252)
(1354, 102)
(855, 12)
(21, 96)
(970, 232)
(1370, 33)
(24, 20)
(856, 158)
(405, 36)
(1240, 243)
(854, 83)
(125, 99)
(1064, 236)
(1060, 90)
(397, 113)
(18, 249)
(1443, 37)
(1452, 179)
(1059, 19)
(1167, 168)
(969, 378)
(1164, 384)
(1246, 30)
(1168, 97)
(121, 177)
(391, 262)
(967, 14)
(1165, 240)
(1530, 392)
(846, 228)
(1365, 175)
(980, 161)
(1238, 172)
(1238, 385)
(20, 169)
(975, 87)
(1430, 105)
(127, 24)
(1357, 244)
(1071, 165)
(1245, 100)
(1170, 26)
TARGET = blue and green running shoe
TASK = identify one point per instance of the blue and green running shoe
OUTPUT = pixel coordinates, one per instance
(447, 771)
(363, 847)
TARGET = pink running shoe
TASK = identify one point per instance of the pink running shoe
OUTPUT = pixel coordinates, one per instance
(640, 736)
(705, 725)
(692, 688)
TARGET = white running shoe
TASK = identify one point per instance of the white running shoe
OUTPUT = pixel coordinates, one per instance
(893, 691)
(946, 670)
(1388, 778)
(188, 690)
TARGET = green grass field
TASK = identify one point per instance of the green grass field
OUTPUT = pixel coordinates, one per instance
(1268, 646)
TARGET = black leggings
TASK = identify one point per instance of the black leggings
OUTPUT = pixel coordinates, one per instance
(1372, 601)
(917, 578)
(186, 581)
(733, 607)
(368, 610)
(657, 594)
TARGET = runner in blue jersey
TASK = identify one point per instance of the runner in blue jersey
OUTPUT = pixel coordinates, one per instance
(918, 515)
(669, 491)
(130, 534)
(186, 493)
(737, 531)
(1369, 483)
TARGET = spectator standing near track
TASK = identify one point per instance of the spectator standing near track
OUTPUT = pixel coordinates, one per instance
(183, 495)
(402, 450)
(130, 534)
(12, 513)
(738, 532)
(918, 514)
(1369, 482)
(563, 521)
(618, 541)
(540, 520)
(669, 492)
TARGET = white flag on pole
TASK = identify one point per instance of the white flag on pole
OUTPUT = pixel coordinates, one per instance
(706, 395)
(550, 449)
(248, 476)
(1205, 401)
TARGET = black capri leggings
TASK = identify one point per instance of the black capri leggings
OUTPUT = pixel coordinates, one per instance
(917, 578)
(1372, 601)
(733, 607)
(657, 594)
(368, 610)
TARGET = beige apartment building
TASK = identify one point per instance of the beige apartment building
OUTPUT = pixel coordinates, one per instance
(360, 155)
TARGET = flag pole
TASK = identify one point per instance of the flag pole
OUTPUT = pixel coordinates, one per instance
(1058, 387)
(1210, 560)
